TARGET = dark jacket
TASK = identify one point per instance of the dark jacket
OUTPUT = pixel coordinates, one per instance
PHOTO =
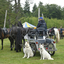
(42, 23)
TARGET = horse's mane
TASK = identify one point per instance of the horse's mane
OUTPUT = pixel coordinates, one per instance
(18, 36)
(19, 24)
(0, 31)
(13, 25)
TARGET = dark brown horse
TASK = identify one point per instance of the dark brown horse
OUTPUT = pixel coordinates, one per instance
(4, 33)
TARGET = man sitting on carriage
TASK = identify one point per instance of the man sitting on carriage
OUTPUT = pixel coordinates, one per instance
(42, 25)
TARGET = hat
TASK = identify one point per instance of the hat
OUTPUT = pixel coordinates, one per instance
(41, 18)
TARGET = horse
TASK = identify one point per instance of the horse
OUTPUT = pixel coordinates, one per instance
(18, 34)
(18, 31)
(10, 33)
(4, 33)
(18, 37)
(57, 34)
(53, 32)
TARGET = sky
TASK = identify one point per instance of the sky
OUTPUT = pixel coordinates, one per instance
(58, 2)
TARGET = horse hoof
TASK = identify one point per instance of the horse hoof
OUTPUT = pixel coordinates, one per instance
(11, 49)
(1, 49)
(19, 50)
(16, 51)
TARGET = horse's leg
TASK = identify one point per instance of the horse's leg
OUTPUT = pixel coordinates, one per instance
(2, 44)
(15, 46)
(19, 48)
(23, 40)
(23, 44)
(11, 42)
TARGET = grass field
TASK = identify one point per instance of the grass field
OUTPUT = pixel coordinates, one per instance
(12, 57)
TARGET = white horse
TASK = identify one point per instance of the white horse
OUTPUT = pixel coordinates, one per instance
(57, 34)
(54, 32)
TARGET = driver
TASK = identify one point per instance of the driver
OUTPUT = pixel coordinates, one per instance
(42, 24)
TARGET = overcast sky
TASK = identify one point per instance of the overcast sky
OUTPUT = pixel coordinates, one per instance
(58, 2)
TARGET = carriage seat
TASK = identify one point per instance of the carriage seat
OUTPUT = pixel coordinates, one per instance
(42, 31)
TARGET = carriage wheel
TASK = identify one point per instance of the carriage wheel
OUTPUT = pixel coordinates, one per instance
(33, 46)
(51, 52)
(51, 46)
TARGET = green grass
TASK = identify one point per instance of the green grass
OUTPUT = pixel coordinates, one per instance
(12, 57)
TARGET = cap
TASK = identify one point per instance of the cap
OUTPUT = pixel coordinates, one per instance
(41, 18)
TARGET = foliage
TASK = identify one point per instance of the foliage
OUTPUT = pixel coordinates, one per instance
(35, 10)
(27, 7)
(50, 22)
(52, 13)
(3, 8)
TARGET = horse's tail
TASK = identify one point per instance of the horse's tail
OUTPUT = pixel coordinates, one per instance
(57, 35)
(19, 36)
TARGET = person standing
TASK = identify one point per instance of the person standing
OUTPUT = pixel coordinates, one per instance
(61, 36)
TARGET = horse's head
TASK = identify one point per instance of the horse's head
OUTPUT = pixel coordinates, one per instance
(28, 30)
(19, 24)
(51, 30)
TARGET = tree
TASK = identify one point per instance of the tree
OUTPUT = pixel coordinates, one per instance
(9, 13)
(17, 4)
(3, 7)
(62, 13)
(34, 10)
(53, 11)
(42, 8)
(27, 8)
(40, 4)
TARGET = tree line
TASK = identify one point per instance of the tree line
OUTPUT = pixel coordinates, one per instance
(16, 11)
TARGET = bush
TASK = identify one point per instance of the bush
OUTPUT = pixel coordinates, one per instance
(50, 22)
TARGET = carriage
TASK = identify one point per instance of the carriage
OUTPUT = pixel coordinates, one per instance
(36, 38)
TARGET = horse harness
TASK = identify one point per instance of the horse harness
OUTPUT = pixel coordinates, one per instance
(51, 32)
(5, 33)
